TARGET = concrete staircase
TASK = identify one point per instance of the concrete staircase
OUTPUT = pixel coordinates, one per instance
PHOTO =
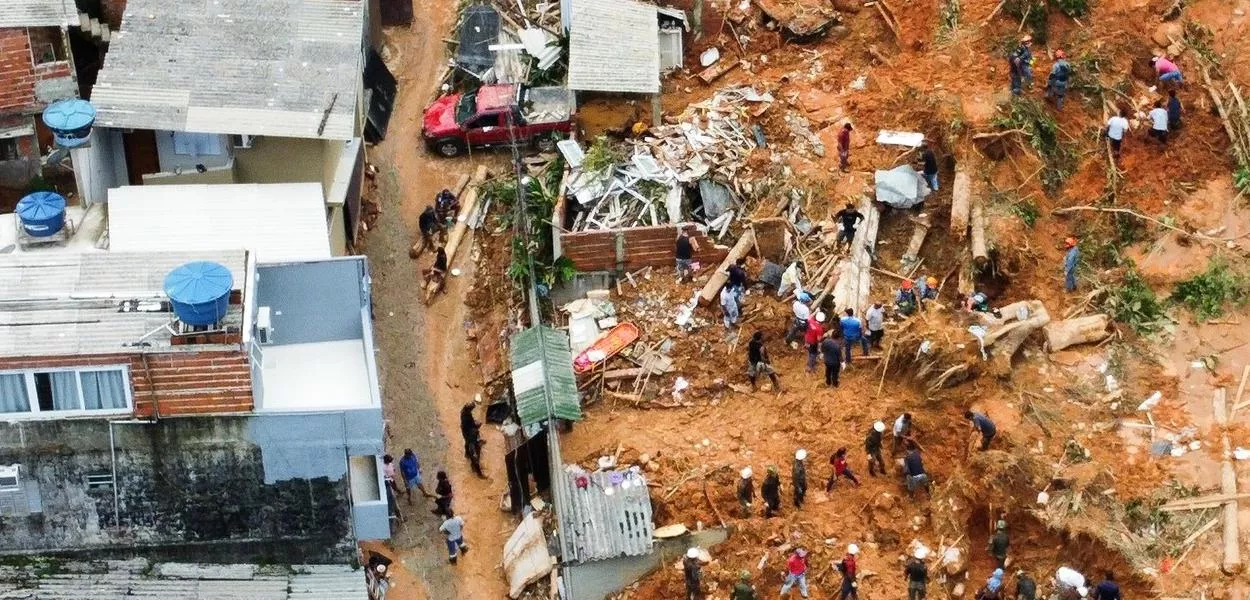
(92, 25)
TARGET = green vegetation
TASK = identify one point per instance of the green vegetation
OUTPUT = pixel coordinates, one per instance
(1039, 125)
(1207, 294)
(1241, 179)
(1134, 303)
(601, 156)
(1027, 211)
(540, 199)
(948, 20)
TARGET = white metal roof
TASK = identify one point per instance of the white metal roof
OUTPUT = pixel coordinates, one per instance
(38, 13)
(288, 68)
(109, 580)
(68, 303)
(277, 221)
(614, 46)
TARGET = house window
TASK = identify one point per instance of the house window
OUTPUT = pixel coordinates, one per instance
(65, 391)
(197, 144)
(9, 149)
(9, 479)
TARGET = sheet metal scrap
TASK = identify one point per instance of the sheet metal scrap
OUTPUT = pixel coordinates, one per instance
(711, 138)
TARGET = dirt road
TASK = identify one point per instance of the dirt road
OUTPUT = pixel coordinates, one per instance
(424, 373)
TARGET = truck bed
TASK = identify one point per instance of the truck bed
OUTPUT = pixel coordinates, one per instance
(543, 105)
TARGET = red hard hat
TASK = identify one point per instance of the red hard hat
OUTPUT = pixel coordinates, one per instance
(906, 284)
(1069, 242)
(1060, 54)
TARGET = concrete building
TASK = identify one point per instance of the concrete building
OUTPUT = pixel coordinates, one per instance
(130, 430)
(270, 94)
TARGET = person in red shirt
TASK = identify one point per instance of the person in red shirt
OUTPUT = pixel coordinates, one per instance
(796, 572)
(844, 147)
(849, 570)
(815, 331)
(840, 469)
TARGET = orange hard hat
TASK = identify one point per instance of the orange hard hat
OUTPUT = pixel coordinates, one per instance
(907, 284)
(1060, 54)
(1069, 242)
(932, 281)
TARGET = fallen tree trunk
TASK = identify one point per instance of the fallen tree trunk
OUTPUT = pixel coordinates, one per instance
(467, 204)
(1007, 343)
(1083, 330)
(720, 276)
(415, 250)
(1228, 486)
(912, 254)
(961, 196)
(854, 273)
(980, 253)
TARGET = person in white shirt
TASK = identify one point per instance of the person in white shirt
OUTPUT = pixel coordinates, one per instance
(453, 528)
(801, 313)
(876, 324)
(1159, 122)
(1116, 127)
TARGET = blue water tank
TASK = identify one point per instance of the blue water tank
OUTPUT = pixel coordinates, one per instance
(199, 292)
(70, 121)
(42, 213)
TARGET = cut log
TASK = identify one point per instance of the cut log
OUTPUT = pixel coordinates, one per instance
(917, 240)
(1228, 486)
(1201, 502)
(961, 198)
(467, 204)
(1009, 342)
(966, 284)
(854, 272)
(1083, 330)
(745, 244)
(415, 250)
(976, 241)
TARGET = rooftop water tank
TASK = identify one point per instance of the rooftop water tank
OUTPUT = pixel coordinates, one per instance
(42, 213)
(199, 292)
(70, 121)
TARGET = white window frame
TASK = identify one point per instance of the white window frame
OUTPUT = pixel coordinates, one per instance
(33, 397)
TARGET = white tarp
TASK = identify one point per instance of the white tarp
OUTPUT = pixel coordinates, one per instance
(901, 187)
(525, 556)
(911, 139)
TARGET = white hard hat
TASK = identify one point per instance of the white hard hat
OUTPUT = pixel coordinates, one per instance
(692, 553)
(921, 553)
(800, 454)
(1083, 591)
(878, 426)
(746, 472)
(852, 549)
(820, 316)
(380, 568)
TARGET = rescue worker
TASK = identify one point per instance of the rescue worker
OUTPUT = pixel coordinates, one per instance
(758, 362)
(983, 425)
(471, 430)
(1057, 82)
(831, 354)
(445, 208)
(927, 289)
(771, 492)
(978, 302)
(840, 469)
(916, 574)
(849, 570)
(849, 218)
(798, 324)
(1107, 589)
(914, 475)
(730, 308)
(743, 590)
(791, 279)
(799, 475)
(1070, 261)
(683, 252)
(737, 281)
(844, 147)
(902, 432)
(906, 302)
(1117, 126)
(692, 569)
(1167, 70)
(1159, 122)
(427, 223)
(1174, 111)
(1070, 584)
(815, 331)
(872, 447)
(1026, 588)
(992, 590)
(746, 492)
(1020, 65)
(796, 573)
(437, 273)
(852, 332)
(929, 165)
(875, 317)
(999, 543)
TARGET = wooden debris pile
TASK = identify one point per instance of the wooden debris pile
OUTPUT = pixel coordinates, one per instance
(630, 196)
(710, 139)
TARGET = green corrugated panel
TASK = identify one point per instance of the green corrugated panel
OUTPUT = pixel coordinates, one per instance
(557, 368)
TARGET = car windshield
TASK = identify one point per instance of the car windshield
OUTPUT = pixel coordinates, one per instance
(466, 108)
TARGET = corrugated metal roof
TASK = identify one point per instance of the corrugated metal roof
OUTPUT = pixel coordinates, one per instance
(606, 526)
(119, 580)
(261, 67)
(68, 303)
(614, 46)
(38, 13)
(541, 356)
(278, 222)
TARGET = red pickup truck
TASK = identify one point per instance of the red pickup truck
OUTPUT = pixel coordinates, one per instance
(457, 122)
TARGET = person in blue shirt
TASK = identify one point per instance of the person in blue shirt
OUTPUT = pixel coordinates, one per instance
(410, 468)
(1174, 111)
(984, 426)
(914, 475)
(1020, 65)
(1070, 260)
(1108, 589)
(852, 332)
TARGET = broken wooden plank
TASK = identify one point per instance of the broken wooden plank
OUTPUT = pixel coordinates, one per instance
(961, 197)
(745, 243)
(976, 240)
(1201, 502)
(715, 71)
(1228, 485)
(912, 254)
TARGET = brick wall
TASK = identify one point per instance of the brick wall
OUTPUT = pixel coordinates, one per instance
(182, 383)
(17, 77)
(641, 247)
